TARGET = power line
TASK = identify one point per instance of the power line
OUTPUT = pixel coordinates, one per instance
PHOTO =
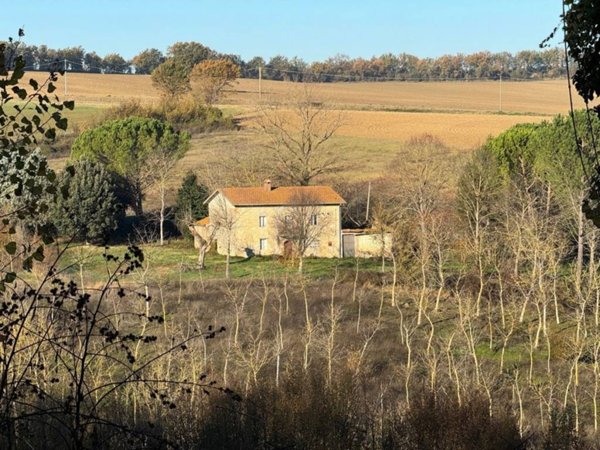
(343, 75)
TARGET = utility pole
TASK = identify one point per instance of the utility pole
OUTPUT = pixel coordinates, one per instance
(259, 82)
(501, 90)
(368, 203)
(65, 77)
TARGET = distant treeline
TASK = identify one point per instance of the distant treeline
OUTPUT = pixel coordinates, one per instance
(547, 63)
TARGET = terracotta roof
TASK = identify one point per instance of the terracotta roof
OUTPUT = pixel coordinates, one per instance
(284, 195)
(204, 221)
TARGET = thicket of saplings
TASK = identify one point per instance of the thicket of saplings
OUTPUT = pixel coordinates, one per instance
(481, 331)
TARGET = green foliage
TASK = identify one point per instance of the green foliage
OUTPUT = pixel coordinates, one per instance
(128, 147)
(548, 150)
(512, 150)
(188, 54)
(190, 202)
(171, 78)
(558, 160)
(148, 60)
(87, 206)
(115, 63)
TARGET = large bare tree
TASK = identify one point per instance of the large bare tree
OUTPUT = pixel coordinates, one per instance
(299, 132)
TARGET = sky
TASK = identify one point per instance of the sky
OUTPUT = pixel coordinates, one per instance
(310, 29)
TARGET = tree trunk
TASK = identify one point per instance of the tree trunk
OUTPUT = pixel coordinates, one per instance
(138, 207)
(227, 258)
(202, 256)
(580, 236)
(162, 213)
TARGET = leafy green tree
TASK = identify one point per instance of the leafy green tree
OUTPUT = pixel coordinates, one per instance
(115, 63)
(190, 202)
(128, 147)
(148, 60)
(188, 54)
(171, 79)
(512, 150)
(86, 206)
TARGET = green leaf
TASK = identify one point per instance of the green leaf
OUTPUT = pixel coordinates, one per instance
(11, 248)
(10, 277)
(50, 133)
(38, 255)
(28, 264)
(62, 123)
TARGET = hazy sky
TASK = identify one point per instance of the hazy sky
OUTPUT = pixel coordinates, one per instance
(311, 29)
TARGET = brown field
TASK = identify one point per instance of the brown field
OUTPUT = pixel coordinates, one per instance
(523, 97)
(463, 131)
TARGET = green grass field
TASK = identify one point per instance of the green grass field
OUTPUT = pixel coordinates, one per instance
(176, 261)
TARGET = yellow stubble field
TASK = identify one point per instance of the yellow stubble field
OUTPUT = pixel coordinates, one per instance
(461, 114)
(545, 97)
(377, 118)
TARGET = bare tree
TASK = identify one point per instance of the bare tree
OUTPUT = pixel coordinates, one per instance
(204, 236)
(161, 166)
(225, 220)
(301, 225)
(299, 132)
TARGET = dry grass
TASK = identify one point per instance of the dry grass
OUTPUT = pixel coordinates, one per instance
(102, 90)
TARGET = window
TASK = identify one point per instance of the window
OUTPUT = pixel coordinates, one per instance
(262, 245)
(262, 221)
(313, 219)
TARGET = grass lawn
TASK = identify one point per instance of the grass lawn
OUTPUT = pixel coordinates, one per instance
(177, 261)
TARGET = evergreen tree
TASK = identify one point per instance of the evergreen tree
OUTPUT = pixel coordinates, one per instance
(87, 205)
(190, 202)
(132, 148)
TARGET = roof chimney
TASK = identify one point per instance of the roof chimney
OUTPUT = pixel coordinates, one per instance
(267, 185)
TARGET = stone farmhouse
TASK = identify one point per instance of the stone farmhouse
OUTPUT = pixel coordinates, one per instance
(268, 220)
